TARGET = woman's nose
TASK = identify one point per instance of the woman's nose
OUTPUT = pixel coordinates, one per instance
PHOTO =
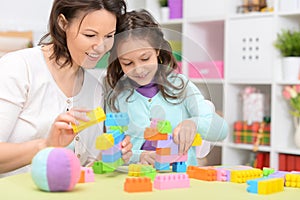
(99, 47)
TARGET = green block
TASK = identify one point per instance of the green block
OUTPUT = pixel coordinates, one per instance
(110, 167)
(98, 167)
(122, 129)
(164, 126)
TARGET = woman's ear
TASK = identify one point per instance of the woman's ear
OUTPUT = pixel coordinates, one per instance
(62, 22)
(157, 53)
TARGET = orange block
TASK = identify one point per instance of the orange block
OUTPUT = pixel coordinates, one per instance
(202, 173)
(82, 177)
(163, 151)
(138, 184)
(152, 134)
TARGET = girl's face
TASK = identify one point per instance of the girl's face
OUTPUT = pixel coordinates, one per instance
(89, 39)
(138, 60)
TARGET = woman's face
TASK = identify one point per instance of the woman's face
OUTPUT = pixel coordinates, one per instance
(138, 60)
(88, 40)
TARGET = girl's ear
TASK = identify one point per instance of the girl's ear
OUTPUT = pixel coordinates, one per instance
(62, 22)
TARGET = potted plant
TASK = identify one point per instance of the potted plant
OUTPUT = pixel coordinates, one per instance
(164, 10)
(288, 44)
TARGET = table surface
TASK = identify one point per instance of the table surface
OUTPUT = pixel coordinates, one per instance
(111, 186)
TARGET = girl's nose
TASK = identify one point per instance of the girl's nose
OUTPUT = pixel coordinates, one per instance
(139, 69)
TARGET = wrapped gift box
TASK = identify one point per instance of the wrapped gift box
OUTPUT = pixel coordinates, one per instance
(253, 107)
(247, 133)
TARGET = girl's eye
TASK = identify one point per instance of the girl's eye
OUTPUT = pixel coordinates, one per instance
(145, 59)
(110, 36)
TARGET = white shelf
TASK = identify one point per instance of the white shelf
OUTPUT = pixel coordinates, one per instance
(248, 147)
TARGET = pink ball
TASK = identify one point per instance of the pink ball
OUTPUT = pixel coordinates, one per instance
(55, 169)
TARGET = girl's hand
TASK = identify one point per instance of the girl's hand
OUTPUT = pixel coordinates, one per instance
(61, 133)
(126, 149)
(148, 157)
(184, 135)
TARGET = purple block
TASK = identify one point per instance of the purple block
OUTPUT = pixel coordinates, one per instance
(111, 151)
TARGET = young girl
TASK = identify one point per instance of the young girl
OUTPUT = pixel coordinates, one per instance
(143, 84)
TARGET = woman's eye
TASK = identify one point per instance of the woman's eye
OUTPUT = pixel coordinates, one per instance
(89, 35)
(127, 64)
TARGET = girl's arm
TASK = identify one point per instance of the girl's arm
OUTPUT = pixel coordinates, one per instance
(209, 124)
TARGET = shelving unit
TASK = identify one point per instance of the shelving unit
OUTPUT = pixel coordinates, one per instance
(212, 30)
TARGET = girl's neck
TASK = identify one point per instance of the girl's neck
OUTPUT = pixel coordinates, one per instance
(149, 90)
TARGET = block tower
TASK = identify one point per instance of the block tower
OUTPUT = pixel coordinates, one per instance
(110, 142)
(160, 134)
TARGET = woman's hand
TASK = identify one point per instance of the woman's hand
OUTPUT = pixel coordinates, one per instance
(61, 133)
(184, 135)
(148, 157)
(126, 149)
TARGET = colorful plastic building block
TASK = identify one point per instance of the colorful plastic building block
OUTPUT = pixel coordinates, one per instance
(152, 134)
(267, 171)
(95, 117)
(243, 175)
(292, 180)
(86, 175)
(171, 181)
(105, 141)
(179, 167)
(138, 184)
(164, 126)
(116, 119)
(140, 170)
(202, 173)
(197, 140)
(265, 185)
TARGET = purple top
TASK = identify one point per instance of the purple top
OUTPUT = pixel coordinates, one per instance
(149, 91)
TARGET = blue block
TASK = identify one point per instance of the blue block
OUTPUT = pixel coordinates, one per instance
(162, 166)
(179, 167)
(111, 158)
(117, 135)
(116, 119)
(253, 184)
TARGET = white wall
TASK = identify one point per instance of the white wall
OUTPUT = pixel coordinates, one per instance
(23, 15)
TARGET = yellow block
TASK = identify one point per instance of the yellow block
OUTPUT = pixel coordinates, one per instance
(104, 141)
(197, 140)
(95, 117)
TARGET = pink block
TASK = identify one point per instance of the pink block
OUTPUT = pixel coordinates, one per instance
(170, 158)
(221, 174)
(154, 123)
(88, 174)
(209, 70)
(171, 181)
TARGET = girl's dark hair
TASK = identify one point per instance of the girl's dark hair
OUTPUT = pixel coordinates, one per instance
(71, 9)
(141, 25)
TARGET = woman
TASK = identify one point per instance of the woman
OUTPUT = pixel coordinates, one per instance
(43, 90)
